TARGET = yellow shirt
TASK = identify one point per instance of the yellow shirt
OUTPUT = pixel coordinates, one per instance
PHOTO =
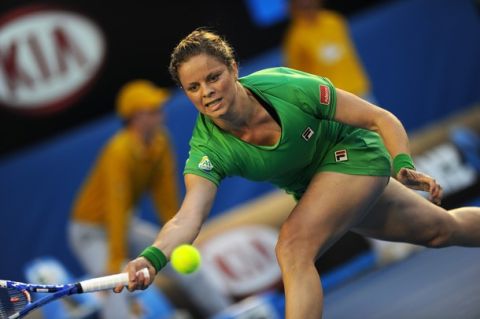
(123, 172)
(322, 46)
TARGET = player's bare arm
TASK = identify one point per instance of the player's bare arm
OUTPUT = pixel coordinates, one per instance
(185, 225)
(357, 112)
(182, 228)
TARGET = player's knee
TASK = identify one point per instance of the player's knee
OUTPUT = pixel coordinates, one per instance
(439, 236)
(285, 245)
(289, 254)
(294, 248)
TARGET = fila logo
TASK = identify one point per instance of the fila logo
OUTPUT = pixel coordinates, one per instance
(341, 156)
(324, 94)
(307, 134)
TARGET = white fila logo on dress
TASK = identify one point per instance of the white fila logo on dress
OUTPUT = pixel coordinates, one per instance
(307, 134)
(341, 156)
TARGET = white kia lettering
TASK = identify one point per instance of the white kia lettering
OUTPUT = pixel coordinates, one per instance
(47, 58)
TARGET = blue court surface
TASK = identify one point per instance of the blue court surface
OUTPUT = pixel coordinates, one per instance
(431, 284)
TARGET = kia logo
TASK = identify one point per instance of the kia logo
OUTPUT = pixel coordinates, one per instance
(49, 57)
(242, 261)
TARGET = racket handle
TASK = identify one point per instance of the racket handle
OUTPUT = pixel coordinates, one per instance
(109, 282)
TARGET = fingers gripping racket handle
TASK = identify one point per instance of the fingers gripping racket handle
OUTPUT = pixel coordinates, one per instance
(109, 282)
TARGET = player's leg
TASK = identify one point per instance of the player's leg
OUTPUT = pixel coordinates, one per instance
(401, 214)
(332, 203)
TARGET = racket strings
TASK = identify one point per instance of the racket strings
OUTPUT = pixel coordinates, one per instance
(12, 301)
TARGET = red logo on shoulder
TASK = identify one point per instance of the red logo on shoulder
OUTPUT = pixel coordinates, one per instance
(324, 95)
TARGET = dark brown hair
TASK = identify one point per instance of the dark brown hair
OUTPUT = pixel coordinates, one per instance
(200, 41)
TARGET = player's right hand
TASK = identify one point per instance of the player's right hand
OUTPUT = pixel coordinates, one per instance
(138, 281)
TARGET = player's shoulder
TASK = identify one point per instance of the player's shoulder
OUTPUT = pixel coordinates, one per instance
(276, 73)
(210, 139)
(273, 77)
(204, 132)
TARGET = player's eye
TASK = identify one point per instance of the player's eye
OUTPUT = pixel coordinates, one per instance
(214, 77)
(192, 88)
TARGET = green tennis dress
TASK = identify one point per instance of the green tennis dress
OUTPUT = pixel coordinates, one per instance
(311, 141)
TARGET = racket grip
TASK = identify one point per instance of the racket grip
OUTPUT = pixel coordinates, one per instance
(109, 282)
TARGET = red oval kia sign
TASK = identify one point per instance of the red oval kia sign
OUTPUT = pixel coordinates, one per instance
(242, 261)
(48, 58)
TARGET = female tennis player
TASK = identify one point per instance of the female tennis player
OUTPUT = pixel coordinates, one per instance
(327, 147)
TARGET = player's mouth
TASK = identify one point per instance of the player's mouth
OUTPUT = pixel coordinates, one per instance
(212, 105)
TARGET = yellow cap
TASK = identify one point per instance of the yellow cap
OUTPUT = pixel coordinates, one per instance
(140, 95)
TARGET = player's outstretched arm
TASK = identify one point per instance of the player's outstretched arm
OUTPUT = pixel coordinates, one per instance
(183, 228)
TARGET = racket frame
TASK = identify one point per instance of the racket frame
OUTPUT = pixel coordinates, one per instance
(59, 291)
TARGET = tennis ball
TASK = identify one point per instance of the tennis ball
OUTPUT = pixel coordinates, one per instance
(185, 259)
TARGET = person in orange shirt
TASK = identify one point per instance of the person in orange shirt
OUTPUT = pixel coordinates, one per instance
(138, 159)
(318, 41)
(105, 230)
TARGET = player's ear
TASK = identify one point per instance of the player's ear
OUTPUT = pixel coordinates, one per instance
(234, 69)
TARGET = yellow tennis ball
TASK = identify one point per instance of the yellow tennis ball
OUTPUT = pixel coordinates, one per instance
(185, 259)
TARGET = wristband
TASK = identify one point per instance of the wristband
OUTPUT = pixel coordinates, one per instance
(155, 256)
(402, 160)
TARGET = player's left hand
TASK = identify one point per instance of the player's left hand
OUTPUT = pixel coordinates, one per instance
(420, 181)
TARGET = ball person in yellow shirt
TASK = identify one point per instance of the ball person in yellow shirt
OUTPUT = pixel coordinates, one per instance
(318, 41)
(105, 230)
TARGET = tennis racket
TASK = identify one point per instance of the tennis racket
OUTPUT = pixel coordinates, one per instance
(16, 302)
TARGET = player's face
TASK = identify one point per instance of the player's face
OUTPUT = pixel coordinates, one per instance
(209, 84)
